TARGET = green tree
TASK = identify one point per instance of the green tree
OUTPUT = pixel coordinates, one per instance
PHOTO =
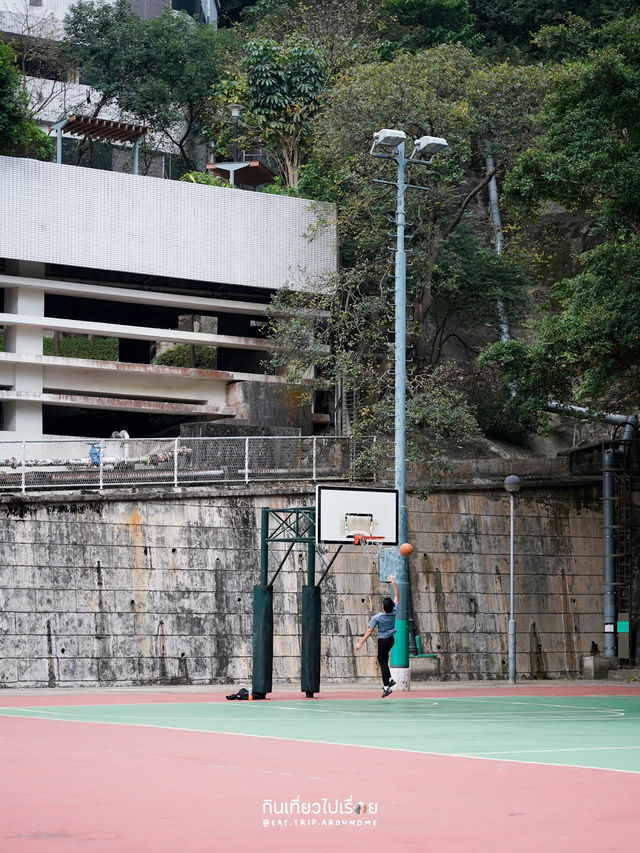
(455, 278)
(160, 71)
(417, 24)
(515, 22)
(285, 84)
(346, 32)
(586, 346)
(19, 135)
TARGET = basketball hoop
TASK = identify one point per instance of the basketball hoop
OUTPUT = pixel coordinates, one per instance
(371, 545)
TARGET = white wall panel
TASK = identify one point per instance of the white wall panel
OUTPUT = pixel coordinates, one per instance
(88, 218)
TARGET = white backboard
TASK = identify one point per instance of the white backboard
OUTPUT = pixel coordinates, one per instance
(341, 512)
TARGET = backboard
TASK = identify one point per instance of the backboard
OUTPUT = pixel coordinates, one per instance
(342, 513)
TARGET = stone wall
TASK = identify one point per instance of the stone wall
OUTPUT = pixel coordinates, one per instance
(460, 580)
(156, 588)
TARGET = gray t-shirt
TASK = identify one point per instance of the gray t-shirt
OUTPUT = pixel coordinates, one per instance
(386, 623)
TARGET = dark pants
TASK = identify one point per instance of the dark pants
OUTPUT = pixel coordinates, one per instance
(384, 647)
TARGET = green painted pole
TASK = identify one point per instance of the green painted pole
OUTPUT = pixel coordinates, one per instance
(262, 671)
(311, 619)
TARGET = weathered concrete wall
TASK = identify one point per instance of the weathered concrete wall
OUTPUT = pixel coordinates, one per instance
(157, 588)
(460, 580)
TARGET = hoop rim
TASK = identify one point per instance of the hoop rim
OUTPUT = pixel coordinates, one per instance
(366, 539)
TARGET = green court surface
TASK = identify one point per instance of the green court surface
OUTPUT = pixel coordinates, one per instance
(580, 731)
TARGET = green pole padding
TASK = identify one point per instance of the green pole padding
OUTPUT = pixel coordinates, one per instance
(264, 546)
(400, 649)
(311, 612)
(262, 639)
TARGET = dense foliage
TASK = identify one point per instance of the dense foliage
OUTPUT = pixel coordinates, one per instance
(161, 71)
(19, 135)
(586, 344)
(539, 102)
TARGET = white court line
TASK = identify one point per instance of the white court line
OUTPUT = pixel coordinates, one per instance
(386, 716)
(554, 750)
(358, 746)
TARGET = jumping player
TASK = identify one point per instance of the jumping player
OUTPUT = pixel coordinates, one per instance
(386, 624)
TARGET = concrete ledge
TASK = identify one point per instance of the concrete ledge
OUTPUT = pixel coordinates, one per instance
(595, 666)
(424, 667)
(625, 674)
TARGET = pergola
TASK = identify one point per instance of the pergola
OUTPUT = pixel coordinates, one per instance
(102, 129)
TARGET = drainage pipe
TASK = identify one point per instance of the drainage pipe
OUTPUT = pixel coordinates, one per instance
(629, 422)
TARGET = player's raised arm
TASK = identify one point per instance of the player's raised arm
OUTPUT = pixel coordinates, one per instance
(392, 581)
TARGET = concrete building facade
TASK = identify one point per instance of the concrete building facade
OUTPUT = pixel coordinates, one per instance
(92, 253)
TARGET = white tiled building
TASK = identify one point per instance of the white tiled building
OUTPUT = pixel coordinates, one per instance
(149, 262)
(104, 254)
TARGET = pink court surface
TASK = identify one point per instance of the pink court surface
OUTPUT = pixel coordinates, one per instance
(530, 767)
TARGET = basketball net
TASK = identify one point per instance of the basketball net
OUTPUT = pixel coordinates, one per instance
(371, 545)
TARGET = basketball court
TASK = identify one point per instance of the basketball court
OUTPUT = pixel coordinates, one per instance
(479, 767)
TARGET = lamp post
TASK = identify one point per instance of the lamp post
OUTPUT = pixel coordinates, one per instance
(235, 115)
(512, 485)
(392, 142)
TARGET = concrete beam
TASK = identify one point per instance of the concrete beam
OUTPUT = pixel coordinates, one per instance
(139, 297)
(141, 333)
(125, 367)
(119, 404)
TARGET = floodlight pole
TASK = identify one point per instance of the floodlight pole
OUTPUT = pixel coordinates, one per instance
(400, 651)
(401, 646)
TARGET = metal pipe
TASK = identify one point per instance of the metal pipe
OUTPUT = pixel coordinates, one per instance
(609, 521)
(512, 623)
(630, 422)
(512, 484)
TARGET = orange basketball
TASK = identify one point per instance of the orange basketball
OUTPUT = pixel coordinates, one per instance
(406, 548)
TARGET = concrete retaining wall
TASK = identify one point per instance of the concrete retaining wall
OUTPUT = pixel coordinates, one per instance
(157, 588)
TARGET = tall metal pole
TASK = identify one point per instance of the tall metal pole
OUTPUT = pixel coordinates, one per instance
(400, 650)
(512, 485)
(429, 145)
(609, 518)
(512, 621)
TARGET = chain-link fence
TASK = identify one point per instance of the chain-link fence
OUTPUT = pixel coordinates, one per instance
(177, 462)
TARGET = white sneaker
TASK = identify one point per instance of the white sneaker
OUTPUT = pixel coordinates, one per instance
(386, 691)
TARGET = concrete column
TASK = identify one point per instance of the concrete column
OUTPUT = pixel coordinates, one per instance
(24, 417)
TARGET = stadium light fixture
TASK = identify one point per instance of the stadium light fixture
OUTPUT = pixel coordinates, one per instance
(389, 139)
(428, 146)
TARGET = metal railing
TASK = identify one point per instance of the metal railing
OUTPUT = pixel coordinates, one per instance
(177, 462)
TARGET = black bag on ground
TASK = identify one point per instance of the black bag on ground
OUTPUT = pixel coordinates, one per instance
(243, 693)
